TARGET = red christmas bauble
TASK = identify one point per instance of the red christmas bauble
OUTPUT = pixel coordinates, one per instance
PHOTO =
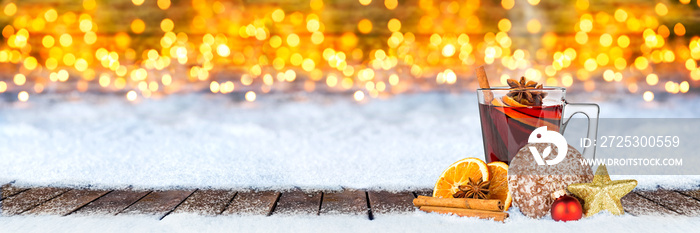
(566, 208)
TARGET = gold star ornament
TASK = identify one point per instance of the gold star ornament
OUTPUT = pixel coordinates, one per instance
(602, 193)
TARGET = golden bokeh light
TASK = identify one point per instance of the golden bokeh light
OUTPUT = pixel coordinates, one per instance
(620, 15)
(313, 25)
(364, 26)
(684, 87)
(586, 25)
(48, 41)
(661, 9)
(507, 4)
(581, 37)
(623, 41)
(316, 4)
(90, 38)
(293, 40)
(138, 26)
(359, 95)
(10, 9)
(317, 37)
(69, 59)
(504, 25)
(65, 40)
(394, 25)
(448, 50)
(277, 15)
(51, 15)
(250, 96)
(131, 95)
(679, 29)
(163, 4)
(387, 52)
(672, 87)
(214, 87)
(391, 4)
(223, 50)
(19, 79)
(23, 96)
(89, 4)
(641, 63)
(167, 25)
(30, 63)
(534, 26)
(85, 25)
(652, 79)
(606, 40)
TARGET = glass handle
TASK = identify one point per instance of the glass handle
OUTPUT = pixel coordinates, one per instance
(591, 111)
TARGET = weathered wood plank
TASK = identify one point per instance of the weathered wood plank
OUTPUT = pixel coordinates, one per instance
(29, 199)
(692, 193)
(158, 203)
(68, 202)
(9, 190)
(206, 202)
(385, 202)
(253, 203)
(637, 205)
(61, 201)
(423, 192)
(112, 203)
(674, 201)
(298, 202)
(345, 202)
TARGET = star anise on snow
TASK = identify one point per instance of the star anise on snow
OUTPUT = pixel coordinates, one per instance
(477, 190)
(525, 92)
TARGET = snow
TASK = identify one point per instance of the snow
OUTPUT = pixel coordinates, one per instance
(280, 141)
(411, 222)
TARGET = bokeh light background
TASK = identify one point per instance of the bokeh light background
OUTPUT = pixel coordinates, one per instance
(362, 48)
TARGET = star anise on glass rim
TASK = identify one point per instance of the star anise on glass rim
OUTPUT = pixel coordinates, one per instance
(477, 190)
(524, 92)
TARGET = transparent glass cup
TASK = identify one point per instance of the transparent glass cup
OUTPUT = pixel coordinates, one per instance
(506, 129)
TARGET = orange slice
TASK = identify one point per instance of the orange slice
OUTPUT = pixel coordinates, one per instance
(511, 102)
(497, 102)
(498, 188)
(458, 174)
(526, 119)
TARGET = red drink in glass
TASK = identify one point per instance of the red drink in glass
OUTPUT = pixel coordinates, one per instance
(506, 129)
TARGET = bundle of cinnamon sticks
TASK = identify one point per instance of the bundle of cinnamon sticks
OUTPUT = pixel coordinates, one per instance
(465, 207)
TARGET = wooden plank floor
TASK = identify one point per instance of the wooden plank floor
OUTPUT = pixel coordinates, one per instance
(8, 190)
(161, 203)
(207, 202)
(253, 203)
(345, 202)
(67, 203)
(384, 202)
(112, 203)
(674, 201)
(158, 203)
(637, 205)
(297, 202)
(29, 199)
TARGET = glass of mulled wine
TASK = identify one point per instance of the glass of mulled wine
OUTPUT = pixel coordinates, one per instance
(506, 124)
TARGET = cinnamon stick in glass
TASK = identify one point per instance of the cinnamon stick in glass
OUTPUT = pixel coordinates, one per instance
(464, 203)
(484, 83)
